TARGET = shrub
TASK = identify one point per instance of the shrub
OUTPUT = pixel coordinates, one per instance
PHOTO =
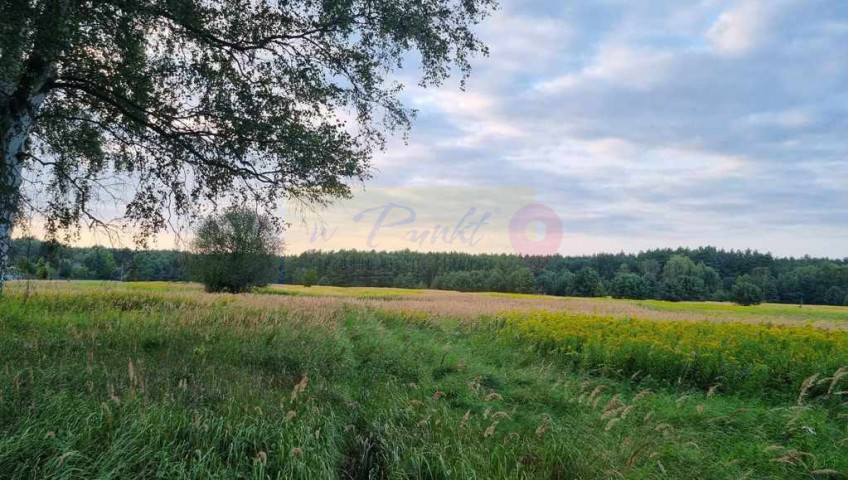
(746, 293)
(309, 278)
(235, 251)
(630, 285)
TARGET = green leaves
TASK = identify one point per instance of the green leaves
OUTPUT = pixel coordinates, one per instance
(235, 251)
(207, 103)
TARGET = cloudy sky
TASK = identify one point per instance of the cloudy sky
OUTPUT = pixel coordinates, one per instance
(652, 123)
(641, 123)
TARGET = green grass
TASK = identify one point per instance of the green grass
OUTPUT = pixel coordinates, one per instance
(805, 312)
(139, 384)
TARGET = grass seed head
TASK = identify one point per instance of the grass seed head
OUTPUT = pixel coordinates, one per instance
(825, 472)
(596, 391)
(809, 382)
(465, 418)
(509, 438)
(612, 423)
(260, 458)
(493, 396)
(712, 390)
(300, 387)
(841, 373)
(614, 402)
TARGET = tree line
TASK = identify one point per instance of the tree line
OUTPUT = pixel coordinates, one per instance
(682, 274)
(32, 258)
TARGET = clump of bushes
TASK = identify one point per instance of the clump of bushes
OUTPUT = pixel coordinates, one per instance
(235, 251)
(746, 294)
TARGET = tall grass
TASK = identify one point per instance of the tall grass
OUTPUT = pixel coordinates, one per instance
(139, 384)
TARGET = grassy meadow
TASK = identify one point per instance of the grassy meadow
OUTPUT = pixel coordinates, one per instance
(156, 380)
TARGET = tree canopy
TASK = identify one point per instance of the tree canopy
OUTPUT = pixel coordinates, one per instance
(746, 293)
(235, 251)
(194, 102)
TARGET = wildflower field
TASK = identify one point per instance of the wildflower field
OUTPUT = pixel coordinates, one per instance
(154, 380)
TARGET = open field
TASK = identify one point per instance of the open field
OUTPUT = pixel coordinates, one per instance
(155, 380)
(471, 305)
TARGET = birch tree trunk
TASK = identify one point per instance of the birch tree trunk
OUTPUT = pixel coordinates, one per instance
(28, 75)
(10, 184)
(18, 110)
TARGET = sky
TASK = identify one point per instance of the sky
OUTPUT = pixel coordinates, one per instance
(640, 123)
(651, 123)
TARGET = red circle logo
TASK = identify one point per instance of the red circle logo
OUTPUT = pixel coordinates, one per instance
(524, 245)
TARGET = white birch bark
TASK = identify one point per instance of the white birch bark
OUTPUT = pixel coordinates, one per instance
(14, 132)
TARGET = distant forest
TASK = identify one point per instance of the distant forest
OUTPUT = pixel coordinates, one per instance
(704, 273)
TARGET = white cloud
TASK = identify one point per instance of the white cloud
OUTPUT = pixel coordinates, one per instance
(511, 37)
(618, 65)
(457, 103)
(741, 29)
(628, 166)
(787, 119)
(828, 174)
(400, 154)
(479, 117)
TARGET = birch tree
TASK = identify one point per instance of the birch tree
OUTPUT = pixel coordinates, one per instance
(194, 102)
